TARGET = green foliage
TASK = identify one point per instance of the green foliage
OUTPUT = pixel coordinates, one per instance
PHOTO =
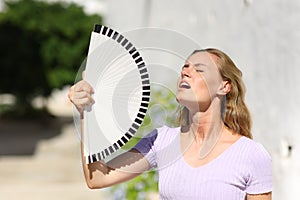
(137, 188)
(162, 111)
(42, 46)
(162, 108)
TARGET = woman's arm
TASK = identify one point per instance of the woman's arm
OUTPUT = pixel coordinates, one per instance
(120, 169)
(266, 196)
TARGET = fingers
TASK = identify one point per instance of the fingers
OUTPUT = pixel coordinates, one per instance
(82, 99)
(83, 86)
(80, 95)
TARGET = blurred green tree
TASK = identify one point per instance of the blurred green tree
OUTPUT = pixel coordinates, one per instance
(42, 46)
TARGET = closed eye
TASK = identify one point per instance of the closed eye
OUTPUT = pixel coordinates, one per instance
(199, 67)
(199, 70)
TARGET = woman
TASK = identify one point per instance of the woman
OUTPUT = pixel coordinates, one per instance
(211, 155)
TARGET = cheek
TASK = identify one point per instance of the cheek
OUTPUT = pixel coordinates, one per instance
(210, 85)
(202, 92)
(201, 86)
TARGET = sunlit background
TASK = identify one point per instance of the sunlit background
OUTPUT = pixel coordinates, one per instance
(44, 42)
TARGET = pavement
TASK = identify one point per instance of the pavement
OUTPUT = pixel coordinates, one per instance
(53, 171)
(40, 160)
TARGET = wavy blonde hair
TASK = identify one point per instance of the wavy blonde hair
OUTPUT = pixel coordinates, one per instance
(235, 113)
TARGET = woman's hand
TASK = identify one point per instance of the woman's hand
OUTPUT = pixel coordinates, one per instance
(99, 174)
(80, 95)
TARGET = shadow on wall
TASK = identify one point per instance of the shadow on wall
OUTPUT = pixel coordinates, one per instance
(20, 137)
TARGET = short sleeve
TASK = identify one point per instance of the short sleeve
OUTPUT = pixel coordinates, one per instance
(260, 175)
(146, 147)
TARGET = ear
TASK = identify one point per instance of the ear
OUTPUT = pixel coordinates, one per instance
(225, 88)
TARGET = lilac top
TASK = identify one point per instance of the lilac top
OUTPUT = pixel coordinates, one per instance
(245, 167)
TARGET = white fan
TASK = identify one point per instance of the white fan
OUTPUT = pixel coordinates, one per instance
(117, 72)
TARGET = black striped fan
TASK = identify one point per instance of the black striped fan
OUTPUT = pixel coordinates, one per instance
(117, 72)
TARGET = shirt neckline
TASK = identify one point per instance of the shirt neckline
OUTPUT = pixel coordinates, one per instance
(219, 157)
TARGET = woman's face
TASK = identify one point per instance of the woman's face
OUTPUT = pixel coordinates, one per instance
(199, 82)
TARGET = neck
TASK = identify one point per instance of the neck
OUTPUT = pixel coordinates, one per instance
(205, 124)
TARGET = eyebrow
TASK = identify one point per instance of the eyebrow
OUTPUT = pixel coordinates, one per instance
(200, 64)
(196, 64)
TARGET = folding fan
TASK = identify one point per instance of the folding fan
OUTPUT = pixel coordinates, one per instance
(117, 72)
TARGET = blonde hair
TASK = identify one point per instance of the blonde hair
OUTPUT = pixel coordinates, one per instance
(234, 111)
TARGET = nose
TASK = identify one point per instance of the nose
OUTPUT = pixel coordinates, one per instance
(186, 71)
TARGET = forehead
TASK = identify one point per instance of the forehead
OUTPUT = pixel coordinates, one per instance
(201, 58)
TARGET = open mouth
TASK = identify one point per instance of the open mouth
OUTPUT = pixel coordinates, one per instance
(184, 85)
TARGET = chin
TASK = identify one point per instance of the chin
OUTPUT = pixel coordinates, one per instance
(185, 101)
(179, 99)
(193, 104)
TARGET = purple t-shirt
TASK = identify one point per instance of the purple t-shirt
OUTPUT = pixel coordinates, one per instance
(245, 167)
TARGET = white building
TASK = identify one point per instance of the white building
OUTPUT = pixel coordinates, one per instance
(263, 38)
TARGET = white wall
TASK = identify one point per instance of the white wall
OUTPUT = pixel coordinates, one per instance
(263, 38)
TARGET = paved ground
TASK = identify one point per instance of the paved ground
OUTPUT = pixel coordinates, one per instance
(42, 162)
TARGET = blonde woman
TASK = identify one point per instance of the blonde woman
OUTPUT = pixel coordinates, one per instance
(211, 155)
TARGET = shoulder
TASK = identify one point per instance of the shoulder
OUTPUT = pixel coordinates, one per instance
(258, 166)
(166, 135)
(159, 136)
(253, 149)
(255, 156)
(166, 132)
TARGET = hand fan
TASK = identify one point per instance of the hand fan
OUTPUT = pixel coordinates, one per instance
(117, 72)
